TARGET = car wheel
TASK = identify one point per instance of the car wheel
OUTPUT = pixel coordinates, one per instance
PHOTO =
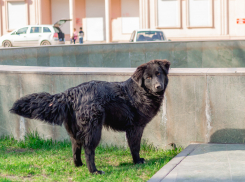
(45, 42)
(7, 43)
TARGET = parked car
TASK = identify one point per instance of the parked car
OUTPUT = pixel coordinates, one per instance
(147, 35)
(35, 35)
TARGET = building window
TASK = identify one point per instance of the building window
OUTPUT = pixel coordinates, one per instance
(168, 13)
(200, 13)
(17, 15)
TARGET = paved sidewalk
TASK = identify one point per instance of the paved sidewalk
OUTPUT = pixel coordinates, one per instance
(205, 163)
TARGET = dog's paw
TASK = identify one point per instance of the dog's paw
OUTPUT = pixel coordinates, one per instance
(140, 161)
(99, 172)
(78, 164)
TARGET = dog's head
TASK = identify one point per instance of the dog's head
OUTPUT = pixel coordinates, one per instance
(152, 75)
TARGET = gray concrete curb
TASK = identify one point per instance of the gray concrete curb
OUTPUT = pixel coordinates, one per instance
(165, 170)
(119, 71)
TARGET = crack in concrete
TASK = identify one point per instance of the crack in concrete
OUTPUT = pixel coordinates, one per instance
(163, 122)
(208, 112)
(22, 119)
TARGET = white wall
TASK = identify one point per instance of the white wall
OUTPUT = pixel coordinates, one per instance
(32, 13)
(95, 20)
(130, 15)
(60, 10)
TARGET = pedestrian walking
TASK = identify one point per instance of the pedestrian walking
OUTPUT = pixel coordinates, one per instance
(74, 36)
(80, 35)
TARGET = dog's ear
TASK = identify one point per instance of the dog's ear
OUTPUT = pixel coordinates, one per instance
(164, 64)
(138, 74)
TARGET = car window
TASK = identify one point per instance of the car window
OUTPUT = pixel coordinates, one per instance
(36, 30)
(14, 33)
(22, 30)
(132, 37)
(46, 30)
(149, 36)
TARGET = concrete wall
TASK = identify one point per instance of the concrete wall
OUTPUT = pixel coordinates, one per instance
(116, 20)
(95, 20)
(201, 104)
(185, 54)
(46, 18)
(80, 14)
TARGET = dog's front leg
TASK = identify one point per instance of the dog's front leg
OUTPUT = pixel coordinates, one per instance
(134, 135)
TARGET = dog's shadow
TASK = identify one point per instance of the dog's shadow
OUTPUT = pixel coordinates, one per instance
(229, 136)
(126, 164)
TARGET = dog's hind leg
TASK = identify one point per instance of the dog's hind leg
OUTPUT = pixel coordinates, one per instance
(134, 135)
(76, 150)
(92, 140)
(72, 129)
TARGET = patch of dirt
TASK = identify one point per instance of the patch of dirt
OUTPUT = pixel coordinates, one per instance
(10, 177)
(20, 178)
(19, 150)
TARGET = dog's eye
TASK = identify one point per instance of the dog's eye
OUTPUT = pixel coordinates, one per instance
(148, 78)
(158, 74)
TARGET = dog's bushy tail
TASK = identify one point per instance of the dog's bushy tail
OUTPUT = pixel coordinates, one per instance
(43, 106)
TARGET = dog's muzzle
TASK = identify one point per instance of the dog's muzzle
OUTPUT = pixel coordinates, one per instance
(158, 87)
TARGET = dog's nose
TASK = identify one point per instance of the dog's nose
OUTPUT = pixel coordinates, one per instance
(158, 86)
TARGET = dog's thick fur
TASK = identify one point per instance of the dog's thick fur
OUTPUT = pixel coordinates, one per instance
(122, 106)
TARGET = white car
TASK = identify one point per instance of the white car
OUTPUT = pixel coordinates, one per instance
(147, 35)
(35, 35)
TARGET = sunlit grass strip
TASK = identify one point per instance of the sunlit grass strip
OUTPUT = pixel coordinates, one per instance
(37, 159)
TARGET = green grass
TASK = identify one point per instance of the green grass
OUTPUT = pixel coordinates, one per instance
(36, 159)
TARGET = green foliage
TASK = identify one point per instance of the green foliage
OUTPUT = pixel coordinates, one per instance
(32, 141)
(38, 159)
(4, 180)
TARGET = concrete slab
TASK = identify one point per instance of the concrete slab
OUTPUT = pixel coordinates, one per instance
(205, 163)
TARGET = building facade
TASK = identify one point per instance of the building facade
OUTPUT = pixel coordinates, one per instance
(114, 20)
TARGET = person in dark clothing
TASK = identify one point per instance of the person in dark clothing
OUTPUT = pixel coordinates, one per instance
(80, 35)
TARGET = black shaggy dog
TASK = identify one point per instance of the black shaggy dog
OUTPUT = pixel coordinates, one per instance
(122, 106)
